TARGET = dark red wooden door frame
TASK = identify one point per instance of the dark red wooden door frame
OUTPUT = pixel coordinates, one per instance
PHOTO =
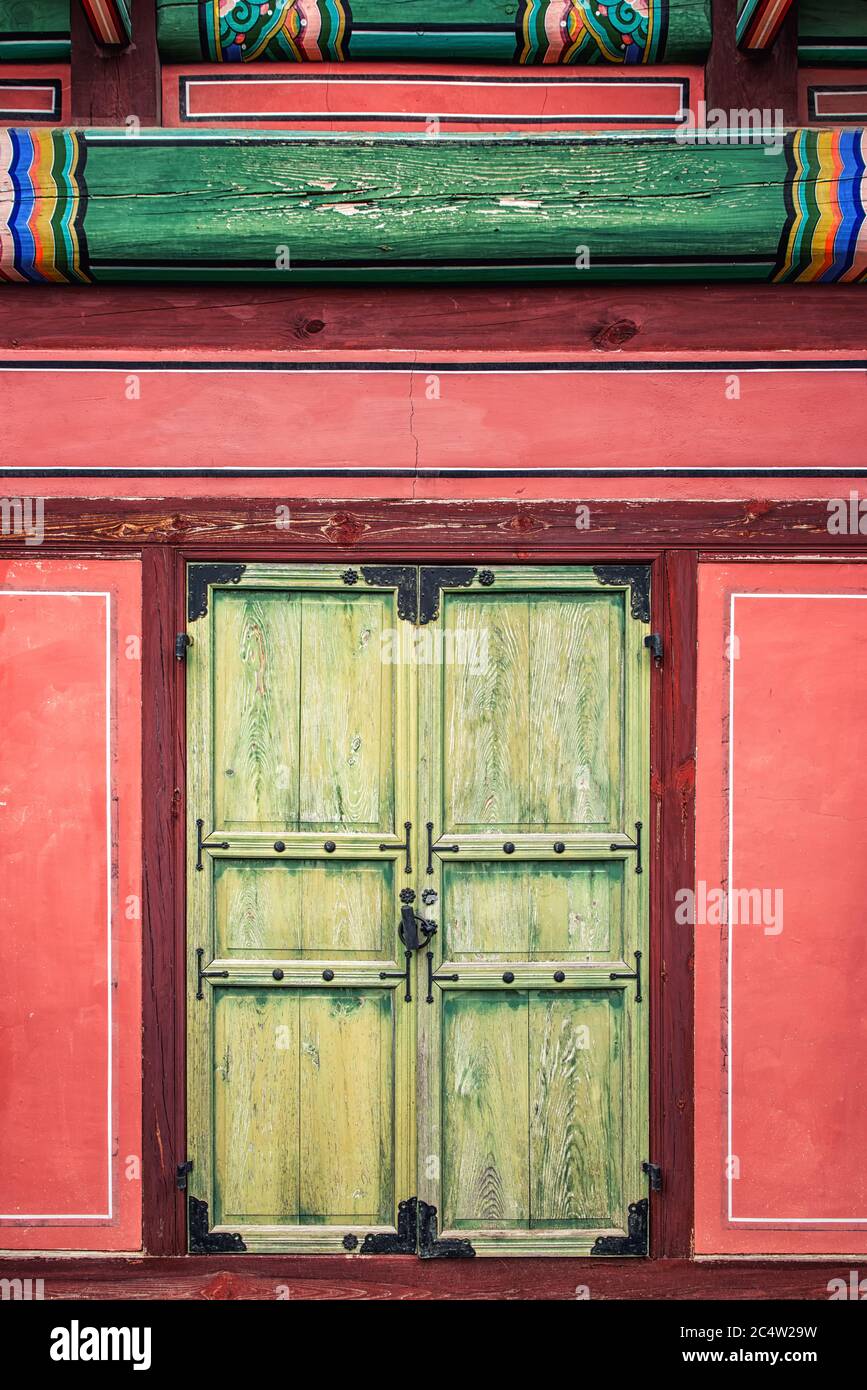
(672, 850)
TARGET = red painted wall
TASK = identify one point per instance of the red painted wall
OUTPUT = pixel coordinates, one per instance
(396, 413)
(70, 904)
(781, 1028)
(393, 97)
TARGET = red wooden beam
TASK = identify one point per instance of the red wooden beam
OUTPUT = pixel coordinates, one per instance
(759, 23)
(763, 80)
(115, 86)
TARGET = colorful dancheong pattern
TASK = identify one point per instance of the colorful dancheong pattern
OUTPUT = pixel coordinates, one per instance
(584, 31)
(42, 202)
(759, 23)
(294, 31)
(825, 237)
(109, 21)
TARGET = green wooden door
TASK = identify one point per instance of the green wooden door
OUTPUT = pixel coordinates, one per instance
(446, 761)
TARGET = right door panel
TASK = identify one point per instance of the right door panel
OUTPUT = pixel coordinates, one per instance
(533, 760)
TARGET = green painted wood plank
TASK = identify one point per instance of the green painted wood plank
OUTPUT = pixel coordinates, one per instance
(507, 31)
(34, 31)
(832, 33)
(98, 206)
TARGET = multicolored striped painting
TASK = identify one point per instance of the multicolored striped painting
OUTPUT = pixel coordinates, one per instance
(42, 203)
(825, 238)
(431, 210)
(110, 21)
(759, 23)
(582, 31)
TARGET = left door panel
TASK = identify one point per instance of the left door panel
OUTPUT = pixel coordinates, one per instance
(300, 1055)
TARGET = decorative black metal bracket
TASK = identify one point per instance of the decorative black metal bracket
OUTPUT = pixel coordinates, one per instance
(419, 587)
(206, 1242)
(430, 1248)
(638, 579)
(406, 846)
(433, 580)
(635, 1243)
(401, 975)
(639, 868)
(416, 1235)
(631, 975)
(198, 579)
(440, 849)
(402, 577)
(433, 979)
(402, 1242)
(200, 845)
(204, 974)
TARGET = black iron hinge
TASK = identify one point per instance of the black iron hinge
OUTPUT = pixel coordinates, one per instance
(182, 641)
(654, 642)
(654, 1173)
(181, 1173)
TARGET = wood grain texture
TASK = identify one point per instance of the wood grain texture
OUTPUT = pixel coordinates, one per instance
(675, 616)
(263, 206)
(300, 1069)
(616, 322)
(389, 1278)
(358, 529)
(163, 1004)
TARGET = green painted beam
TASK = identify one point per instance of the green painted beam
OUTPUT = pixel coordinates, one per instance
(481, 31)
(834, 33)
(211, 206)
(34, 31)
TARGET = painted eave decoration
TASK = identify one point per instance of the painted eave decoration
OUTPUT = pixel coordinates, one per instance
(80, 206)
(483, 31)
(759, 23)
(109, 21)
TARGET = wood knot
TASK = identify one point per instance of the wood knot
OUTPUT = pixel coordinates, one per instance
(343, 529)
(613, 336)
(521, 523)
(304, 327)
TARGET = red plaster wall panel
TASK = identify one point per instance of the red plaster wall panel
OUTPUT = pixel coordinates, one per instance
(396, 98)
(33, 95)
(70, 948)
(781, 1030)
(394, 413)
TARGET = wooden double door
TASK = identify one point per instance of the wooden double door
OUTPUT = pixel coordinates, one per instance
(417, 909)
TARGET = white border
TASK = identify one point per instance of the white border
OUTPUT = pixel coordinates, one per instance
(18, 1217)
(754, 1220)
